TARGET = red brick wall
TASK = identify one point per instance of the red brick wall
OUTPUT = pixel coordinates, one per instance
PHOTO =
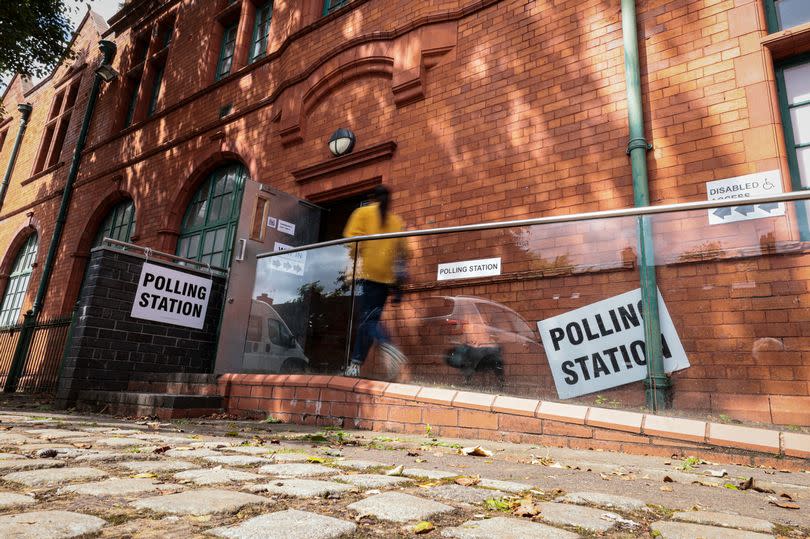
(499, 109)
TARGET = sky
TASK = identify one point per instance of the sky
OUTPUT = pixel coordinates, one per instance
(106, 8)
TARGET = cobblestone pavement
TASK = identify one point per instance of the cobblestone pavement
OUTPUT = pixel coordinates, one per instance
(69, 475)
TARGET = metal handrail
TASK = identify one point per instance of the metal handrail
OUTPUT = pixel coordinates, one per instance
(149, 252)
(588, 216)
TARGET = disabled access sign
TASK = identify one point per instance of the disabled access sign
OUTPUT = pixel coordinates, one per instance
(742, 187)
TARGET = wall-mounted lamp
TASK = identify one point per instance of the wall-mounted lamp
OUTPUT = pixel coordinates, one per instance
(106, 72)
(341, 142)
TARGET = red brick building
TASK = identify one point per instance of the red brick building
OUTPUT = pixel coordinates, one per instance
(471, 111)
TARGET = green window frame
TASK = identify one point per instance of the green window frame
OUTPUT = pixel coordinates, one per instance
(118, 225)
(133, 100)
(157, 82)
(793, 147)
(261, 31)
(330, 6)
(226, 51)
(18, 282)
(210, 221)
(775, 9)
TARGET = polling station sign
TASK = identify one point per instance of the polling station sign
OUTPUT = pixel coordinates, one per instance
(601, 345)
(469, 269)
(171, 296)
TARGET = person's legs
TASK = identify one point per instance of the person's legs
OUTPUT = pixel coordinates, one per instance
(370, 305)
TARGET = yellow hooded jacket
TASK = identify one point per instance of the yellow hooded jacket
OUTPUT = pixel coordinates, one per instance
(376, 257)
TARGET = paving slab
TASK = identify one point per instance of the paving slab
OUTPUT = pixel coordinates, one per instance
(55, 434)
(686, 530)
(156, 466)
(11, 456)
(110, 456)
(216, 476)
(216, 443)
(165, 439)
(303, 488)
(399, 507)
(506, 528)
(53, 476)
(429, 474)
(118, 487)
(587, 518)
(296, 470)
(10, 438)
(609, 501)
(360, 464)
(12, 499)
(59, 452)
(290, 524)
(506, 486)
(237, 460)
(200, 502)
(289, 457)
(15, 465)
(725, 520)
(458, 493)
(191, 453)
(49, 525)
(249, 450)
(372, 480)
(122, 442)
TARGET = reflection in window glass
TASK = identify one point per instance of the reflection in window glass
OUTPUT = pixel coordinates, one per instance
(792, 12)
(18, 282)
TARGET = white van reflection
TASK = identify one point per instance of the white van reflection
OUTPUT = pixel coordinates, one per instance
(270, 346)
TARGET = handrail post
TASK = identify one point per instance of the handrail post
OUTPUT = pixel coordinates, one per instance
(657, 384)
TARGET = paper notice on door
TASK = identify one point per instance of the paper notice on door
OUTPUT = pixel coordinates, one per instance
(286, 227)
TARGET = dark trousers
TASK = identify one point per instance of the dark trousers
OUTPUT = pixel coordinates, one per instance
(370, 302)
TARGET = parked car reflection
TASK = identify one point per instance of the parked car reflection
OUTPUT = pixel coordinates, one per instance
(270, 346)
(474, 334)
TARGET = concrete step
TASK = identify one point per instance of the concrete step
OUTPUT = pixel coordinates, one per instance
(139, 404)
(174, 383)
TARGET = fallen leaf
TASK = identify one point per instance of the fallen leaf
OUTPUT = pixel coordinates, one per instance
(527, 508)
(83, 446)
(604, 477)
(316, 460)
(468, 481)
(145, 475)
(160, 450)
(716, 473)
(668, 479)
(420, 460)
(705, 483)
(666, 489)
(396, 471)
(424, 527)
(413, 453)
(747, 484)
(477, 451)
(786, 496)
(730, 486)
(430, 484)
(785, 505)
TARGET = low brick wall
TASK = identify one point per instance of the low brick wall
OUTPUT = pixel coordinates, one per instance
(108, 346)
(380, 406)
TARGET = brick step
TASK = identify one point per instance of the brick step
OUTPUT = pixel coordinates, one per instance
(139, 404)
(172, 388)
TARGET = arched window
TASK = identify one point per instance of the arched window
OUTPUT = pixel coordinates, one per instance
(18, 282)
(210, 222)
(118, 225)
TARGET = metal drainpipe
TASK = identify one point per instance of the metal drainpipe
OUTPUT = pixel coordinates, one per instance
(25, 113)
(108, 50)
(657, 384)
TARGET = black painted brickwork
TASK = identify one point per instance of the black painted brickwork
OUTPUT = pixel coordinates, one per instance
(107, 345)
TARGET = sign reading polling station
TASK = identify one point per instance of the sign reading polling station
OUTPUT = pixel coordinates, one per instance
(601, 345)
(171, 296)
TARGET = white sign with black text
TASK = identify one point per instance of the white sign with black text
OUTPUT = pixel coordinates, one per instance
(288, 263)
(601, 345)
(469, 269)
(171, 296)
(742, 187)
(286, 227)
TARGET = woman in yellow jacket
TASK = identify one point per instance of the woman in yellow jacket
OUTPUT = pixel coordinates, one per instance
(376, 273)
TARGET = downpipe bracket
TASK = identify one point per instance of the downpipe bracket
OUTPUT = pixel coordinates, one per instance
(638, 143)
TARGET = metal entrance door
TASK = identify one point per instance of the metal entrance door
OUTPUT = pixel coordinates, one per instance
(253, 336)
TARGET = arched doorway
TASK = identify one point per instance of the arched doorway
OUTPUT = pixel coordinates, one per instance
(209, 224)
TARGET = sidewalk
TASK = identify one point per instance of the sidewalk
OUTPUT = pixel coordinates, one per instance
(70, 475)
